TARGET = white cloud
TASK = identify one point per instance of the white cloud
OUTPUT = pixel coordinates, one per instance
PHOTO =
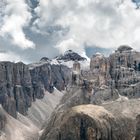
(65, 45)
(16, 17)
(67, 24)
(9, 56)
(107, 24)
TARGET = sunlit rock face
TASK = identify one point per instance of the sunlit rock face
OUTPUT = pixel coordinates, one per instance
(76, 73)
(76, 67)
(98, 63)
(99, 66)
(125, 71)
(99, 74)
(121, 71)
(87, 122)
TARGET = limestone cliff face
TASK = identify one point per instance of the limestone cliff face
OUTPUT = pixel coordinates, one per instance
(125, 71)
(15, 87)
(2, 119)
(120, 71)
(99, 69)
(20, 84)
(47, 76)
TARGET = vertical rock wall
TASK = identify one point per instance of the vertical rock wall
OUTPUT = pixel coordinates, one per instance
(20, 85)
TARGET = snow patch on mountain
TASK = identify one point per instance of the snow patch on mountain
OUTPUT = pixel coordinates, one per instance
(67, 59)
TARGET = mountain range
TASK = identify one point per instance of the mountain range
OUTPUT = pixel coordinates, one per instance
(71, 97)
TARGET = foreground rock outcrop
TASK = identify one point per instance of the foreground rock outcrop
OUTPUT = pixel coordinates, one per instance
(88, 122)
(66, 119)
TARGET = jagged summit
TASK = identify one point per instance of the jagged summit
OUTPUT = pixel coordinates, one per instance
(98, 55)
(67, 59)
(68, 51)
(45, 59)
(71, 56)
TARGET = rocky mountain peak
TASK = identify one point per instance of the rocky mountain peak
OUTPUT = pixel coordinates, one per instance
(71, 56)
(69, 51)
(98, 56)
(45, 59)
(124, 48)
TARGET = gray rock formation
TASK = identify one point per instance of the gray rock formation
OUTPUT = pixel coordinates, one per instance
(45, 59)
(87, 122)
(66, 123)
(125, 71)
(47, 76)
(21, 84)
(103, 84)
(99, 66)
(106, 84)
(99, 74)
(15, 87)
(124, 48)
(2, 120)
(120, 71)
(71, 56)
(137, 137)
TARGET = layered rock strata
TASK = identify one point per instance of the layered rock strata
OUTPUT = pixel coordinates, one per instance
(21, 84)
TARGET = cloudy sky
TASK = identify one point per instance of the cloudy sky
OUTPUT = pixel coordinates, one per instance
(31, 29)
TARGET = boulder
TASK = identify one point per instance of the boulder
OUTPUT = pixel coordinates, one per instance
(87, 122)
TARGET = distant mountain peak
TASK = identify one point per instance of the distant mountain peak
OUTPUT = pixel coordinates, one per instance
(68, 52)
(45, 59)
(123, 48)
(70, 55)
